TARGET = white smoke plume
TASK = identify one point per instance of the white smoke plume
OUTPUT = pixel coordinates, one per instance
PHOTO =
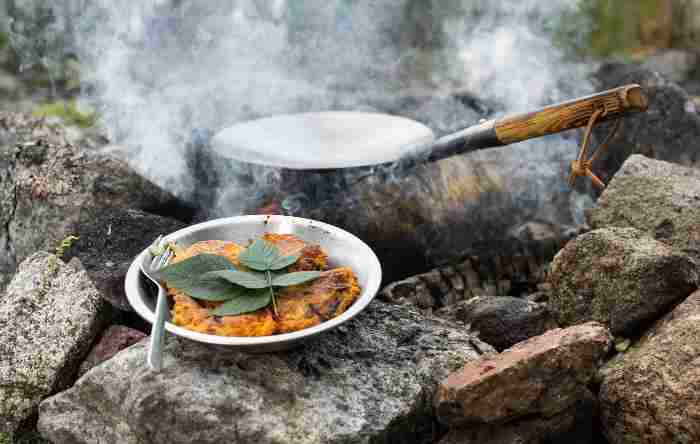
(160, 69)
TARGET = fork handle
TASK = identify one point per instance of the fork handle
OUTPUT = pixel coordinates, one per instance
(155, 349)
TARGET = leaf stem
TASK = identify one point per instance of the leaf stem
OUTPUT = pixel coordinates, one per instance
(272, 292)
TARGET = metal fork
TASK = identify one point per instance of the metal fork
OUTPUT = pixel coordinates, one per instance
(159, 255)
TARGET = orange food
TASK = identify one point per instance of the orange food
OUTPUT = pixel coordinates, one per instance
(229, 250)
(299, 306)
(306, 305)
(312, 257)
(188, 313)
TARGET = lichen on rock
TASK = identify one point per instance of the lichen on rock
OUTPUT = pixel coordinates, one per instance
(659, 198)
(620, 277)
(49, 316)
(369, 380)
(651, 393)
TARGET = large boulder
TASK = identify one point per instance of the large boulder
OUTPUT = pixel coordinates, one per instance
(49, 317)
(47, 182)
(659, 198)
(501, 321)
(668, 131)
(109, 240)
(542, 376)
(620, 277)
(651, 393)
(370, 380)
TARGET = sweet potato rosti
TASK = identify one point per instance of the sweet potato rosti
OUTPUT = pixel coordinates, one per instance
(300, 306)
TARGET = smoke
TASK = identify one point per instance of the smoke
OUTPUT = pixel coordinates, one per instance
(162, 71)
(504, 53)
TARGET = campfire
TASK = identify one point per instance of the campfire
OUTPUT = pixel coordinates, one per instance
(401, 207)
(344, 222)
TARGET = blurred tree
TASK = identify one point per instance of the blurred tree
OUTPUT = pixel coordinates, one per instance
(41, 35)
(686, 24)
(621, 27)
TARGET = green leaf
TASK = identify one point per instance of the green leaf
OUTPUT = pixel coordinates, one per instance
(259, 255)
(251, 300)
(185, 273)
(284, 261)
(299, 277)
(212, 290)
(245, 279)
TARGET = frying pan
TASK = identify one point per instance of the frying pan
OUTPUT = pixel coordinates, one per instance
(334, 139)
(370, 174)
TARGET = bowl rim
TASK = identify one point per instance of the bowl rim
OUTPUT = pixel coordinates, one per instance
(367, 294)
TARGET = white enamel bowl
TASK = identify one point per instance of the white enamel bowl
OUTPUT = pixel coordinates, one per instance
(342, 248)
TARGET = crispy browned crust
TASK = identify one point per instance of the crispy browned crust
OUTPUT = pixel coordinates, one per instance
(312, 257)
(299, 307)
(306, 305)
(230, 250)
(189, 314)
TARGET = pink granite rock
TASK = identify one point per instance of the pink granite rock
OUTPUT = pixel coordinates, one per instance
(651, 393)
(543, 375)
(115, 339)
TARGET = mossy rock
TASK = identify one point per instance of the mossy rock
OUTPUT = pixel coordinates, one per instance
(69, 112)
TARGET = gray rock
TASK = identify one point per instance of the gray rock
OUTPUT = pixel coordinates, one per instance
(370, 380)
(46, 182)
(577, 425)
(49, 317)
(659, 198)
(501, 321)
(651, 393)
(619, 277)
(542, 376)
(668, 131)
(109, 240)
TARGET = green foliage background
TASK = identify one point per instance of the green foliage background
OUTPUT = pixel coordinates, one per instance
(595, 28)
(604, 28)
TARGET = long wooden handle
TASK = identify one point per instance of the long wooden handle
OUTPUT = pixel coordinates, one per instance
(576, 113)
(615, 103)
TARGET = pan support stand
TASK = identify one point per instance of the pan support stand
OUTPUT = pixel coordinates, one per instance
(582, 167)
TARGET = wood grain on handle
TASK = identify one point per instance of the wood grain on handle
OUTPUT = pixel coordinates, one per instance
(574, 114)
